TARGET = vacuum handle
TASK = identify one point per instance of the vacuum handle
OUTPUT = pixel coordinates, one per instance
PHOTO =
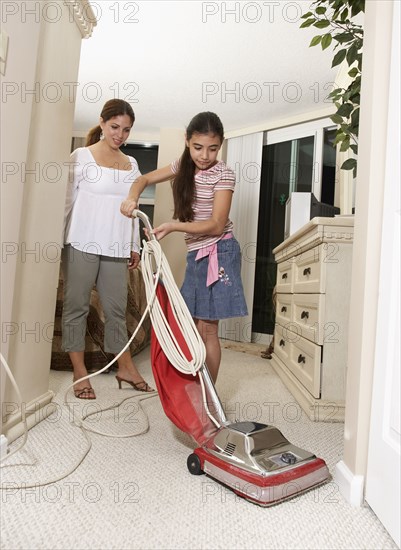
(146, 222)
(213, 396)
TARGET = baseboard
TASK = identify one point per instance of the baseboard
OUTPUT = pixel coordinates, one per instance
(351, 486)
(35, 411)
(318, 410)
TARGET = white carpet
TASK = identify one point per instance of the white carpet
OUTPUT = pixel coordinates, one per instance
(136, 493)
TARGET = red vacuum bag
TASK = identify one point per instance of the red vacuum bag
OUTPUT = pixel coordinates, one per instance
(180, 394)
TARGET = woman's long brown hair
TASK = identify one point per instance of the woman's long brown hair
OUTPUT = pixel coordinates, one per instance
(112, 108)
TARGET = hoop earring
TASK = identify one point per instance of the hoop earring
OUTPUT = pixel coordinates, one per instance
(101, 137)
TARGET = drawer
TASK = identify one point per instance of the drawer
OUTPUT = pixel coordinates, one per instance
(308, 314)
(283, 309)
(281, 343)
(309, 272)
(300, 356)
(304, 363)
(284, 276)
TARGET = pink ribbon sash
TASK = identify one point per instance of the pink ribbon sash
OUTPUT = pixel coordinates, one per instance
(213, 266)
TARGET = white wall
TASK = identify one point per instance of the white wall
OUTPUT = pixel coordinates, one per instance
(36, 136)
(372, 153)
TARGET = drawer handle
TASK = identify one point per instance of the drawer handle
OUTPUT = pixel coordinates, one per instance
(284, 275)
(283, 309)
(301, 359)
(307, 271)
(282, 343)
(305, 315)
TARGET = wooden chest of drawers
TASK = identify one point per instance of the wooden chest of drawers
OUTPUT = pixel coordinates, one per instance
(311, 330)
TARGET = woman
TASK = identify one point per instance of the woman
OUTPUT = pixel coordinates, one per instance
(98, 244)
(202, 191)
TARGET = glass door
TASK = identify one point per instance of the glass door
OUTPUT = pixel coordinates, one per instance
(286, 167)
(297, 158)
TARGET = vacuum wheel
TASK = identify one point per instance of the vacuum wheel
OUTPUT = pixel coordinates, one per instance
(194, 464)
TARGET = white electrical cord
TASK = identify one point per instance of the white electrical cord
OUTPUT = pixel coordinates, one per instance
(80, 423)
(23, 412)
(152, 251)
(164, 334)
(151, 254)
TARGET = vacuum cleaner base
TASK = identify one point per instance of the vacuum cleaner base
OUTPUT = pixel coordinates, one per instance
(258, 463)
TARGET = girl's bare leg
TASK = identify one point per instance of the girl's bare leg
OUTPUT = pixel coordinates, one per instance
(209, 333)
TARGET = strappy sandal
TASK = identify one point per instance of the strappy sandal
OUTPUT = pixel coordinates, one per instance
(140, 386)
(85, 393)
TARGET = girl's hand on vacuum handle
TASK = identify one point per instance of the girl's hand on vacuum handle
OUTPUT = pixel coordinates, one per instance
(163, 230)
(128, 206)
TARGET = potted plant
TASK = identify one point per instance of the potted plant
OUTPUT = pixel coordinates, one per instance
(335, 18)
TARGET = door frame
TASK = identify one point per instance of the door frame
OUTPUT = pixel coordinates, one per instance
(313, 128)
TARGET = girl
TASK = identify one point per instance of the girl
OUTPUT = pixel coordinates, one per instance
(97, 244)
(202, 192)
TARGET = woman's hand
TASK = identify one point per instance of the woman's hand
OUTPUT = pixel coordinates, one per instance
(133, 262)
(128, 206)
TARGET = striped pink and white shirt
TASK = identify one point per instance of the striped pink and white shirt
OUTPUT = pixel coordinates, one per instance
(217, 178)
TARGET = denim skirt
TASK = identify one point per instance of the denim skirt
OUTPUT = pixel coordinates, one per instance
(225, 297)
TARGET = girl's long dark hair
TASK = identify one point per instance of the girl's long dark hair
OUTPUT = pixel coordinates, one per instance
(184, 181)
(112, 108)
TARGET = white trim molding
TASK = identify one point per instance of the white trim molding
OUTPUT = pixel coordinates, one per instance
(283, 122)
(35, 411)
(83, 15)
(351, 486)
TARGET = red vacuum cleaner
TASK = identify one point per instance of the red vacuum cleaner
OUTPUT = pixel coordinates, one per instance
(254, 460)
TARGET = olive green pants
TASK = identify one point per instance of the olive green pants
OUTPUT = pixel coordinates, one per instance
(81, 271)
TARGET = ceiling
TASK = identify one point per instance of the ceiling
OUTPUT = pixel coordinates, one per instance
(247, 61)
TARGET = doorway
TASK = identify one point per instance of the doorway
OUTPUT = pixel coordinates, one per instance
(303, 159)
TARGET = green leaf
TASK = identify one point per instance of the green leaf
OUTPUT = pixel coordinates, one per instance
(339, 137)
(349, 164)
(346, 96)
(322, 24)
(344, 37)
(335, 15)
(315, 40)
(354, 148)
(344, 15)
(306, 15)
(355, 120)
(335, 95)
(336, 91)
(345, 110)
(307, 23)
(321, 10)
(337, 119)
(326, 41)
(353, 72)
(351, 54)
(357, 7)
(339, 57)
(355, 98)
(345, 144)
(355, 115)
